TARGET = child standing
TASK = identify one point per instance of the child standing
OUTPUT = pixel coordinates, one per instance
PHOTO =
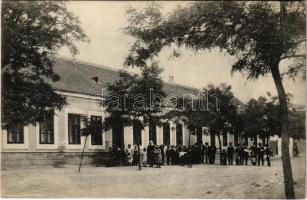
(129, 155)
(144, 157)
(158, 156)
(253, 158)
(189, 158)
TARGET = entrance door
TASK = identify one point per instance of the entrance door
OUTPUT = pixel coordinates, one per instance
(118, 134)
(179, 134)
(166, 134)
(153, 132)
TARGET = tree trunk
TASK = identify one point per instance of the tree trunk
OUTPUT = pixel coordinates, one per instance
(189, 140)
(82, 153)
(286, 162)
(220, 146)
(139, 152)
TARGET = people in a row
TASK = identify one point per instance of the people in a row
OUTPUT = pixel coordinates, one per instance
(157, 155)
(242, 153)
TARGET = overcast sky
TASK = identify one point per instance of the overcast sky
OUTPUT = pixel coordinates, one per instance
(103, 23)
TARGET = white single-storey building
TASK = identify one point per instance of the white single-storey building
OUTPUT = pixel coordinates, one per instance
(58, 139)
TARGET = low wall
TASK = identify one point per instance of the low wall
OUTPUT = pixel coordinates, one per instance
(56, 159)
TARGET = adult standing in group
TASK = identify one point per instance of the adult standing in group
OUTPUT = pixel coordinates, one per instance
(268, 153)
(162, 153)
(158, 156)
(253, 153)
(151, 154)
(260, 152)
(237, 155)
(230, 152)
(117, 154)
(135, 155)
(295, 149)
(205, 150)
(173, 155)
(213, 153)
(245, 153)
(168, 155)
(241, 152)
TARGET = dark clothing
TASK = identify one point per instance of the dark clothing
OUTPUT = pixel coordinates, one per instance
(168, 156)
(237, 158)
(117, 155)
(268, 161)
(135, 157)
(224, 157)
(260, 156)
(123, 155)
(172, 156)
(245, 155)
(241, 154)
(188, 159)
(295, 150)
(268, 153)
(162, 154)
(230, 152)
(211, 153)
(151, 155)
(205, 154)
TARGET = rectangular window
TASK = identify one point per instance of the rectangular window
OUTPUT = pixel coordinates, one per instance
(179, 134)
(74, 129)
(46, 130)
(97, 130)
(166, 134)
(137, 134)
(153, 132)
(15, 134)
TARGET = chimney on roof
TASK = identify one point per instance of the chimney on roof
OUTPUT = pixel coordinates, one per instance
(170, 78)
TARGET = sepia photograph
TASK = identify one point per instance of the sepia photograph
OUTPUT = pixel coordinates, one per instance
(153, 99)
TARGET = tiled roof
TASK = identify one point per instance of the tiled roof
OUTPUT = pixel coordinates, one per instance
(77, 77)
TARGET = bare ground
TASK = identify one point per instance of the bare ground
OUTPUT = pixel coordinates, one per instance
(201, 181)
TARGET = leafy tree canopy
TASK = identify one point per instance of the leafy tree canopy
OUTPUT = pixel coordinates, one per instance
(131, 98)
(32, 32)
(259, 34)
(250, 31)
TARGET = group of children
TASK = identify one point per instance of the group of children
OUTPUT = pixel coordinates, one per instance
(198, 153)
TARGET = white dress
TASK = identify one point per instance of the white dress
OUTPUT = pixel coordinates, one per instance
(129, 155)
(144, 159)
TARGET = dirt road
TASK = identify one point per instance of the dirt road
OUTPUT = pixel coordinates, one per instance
(201, 181)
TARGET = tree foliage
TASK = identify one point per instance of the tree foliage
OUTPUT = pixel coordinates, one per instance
(258, 34)
(249, 31)
(32, 32)
(218, 108)
(262, 117)
(297, 121)
(131, 98)
(135, 100)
